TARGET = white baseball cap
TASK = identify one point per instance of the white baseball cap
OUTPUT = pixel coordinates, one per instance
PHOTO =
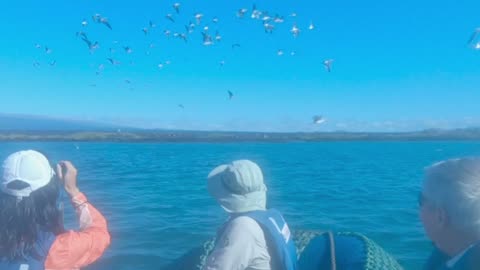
(30, 167)
(238, 186)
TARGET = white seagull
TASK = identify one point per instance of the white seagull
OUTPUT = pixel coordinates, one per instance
(218, 37)
(317, 120)
(295, 30)
(198, 17)
(241, 12)
(474, 36)
(105, 22)
(127, 49)
(328, 64)
(170, 17)
(256, 13)
(278, 19)
(207, 39)
(268, 28)
(176, 6)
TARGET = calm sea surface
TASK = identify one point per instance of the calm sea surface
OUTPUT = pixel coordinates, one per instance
(155, 199)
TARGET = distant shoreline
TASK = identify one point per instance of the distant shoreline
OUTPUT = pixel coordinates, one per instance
(221, 136)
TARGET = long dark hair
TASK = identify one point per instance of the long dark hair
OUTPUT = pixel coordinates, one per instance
(21, 221)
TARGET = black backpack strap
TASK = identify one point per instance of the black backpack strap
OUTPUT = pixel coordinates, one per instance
(333, 259)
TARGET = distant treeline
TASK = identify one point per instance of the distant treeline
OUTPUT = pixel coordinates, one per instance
(220, 136)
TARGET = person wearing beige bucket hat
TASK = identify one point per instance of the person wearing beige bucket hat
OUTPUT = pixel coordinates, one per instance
(254, 237)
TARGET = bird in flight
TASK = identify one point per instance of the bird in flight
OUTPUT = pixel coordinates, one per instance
(328, 64)
(176, 6)
(317, 119)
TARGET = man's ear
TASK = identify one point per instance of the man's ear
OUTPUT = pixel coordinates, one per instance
(442, 217)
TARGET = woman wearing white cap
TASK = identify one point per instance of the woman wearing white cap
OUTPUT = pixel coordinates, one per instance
(254, 238)
(32, 236)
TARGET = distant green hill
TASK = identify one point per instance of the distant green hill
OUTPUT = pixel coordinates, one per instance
(28, 123)
(205, 136)
(36, 128)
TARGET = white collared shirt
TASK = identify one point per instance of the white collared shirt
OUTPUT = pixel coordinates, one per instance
(451, 263)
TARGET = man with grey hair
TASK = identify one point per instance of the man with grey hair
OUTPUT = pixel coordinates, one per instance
(450, 213)
(253, 238)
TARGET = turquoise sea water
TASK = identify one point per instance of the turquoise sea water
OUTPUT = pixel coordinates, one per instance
(155, 199)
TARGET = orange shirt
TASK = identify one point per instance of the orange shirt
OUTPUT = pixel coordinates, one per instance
(73, 250)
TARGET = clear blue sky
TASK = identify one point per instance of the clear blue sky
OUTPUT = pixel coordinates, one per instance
(399, 65)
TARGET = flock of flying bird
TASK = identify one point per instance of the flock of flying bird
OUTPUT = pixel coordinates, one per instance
(267, 21)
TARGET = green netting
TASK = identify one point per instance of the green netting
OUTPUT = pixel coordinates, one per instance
(302, 238)
(376, 257)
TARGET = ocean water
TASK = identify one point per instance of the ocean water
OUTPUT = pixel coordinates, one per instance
(155, 199)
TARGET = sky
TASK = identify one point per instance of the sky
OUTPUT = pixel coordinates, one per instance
(398, 65)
